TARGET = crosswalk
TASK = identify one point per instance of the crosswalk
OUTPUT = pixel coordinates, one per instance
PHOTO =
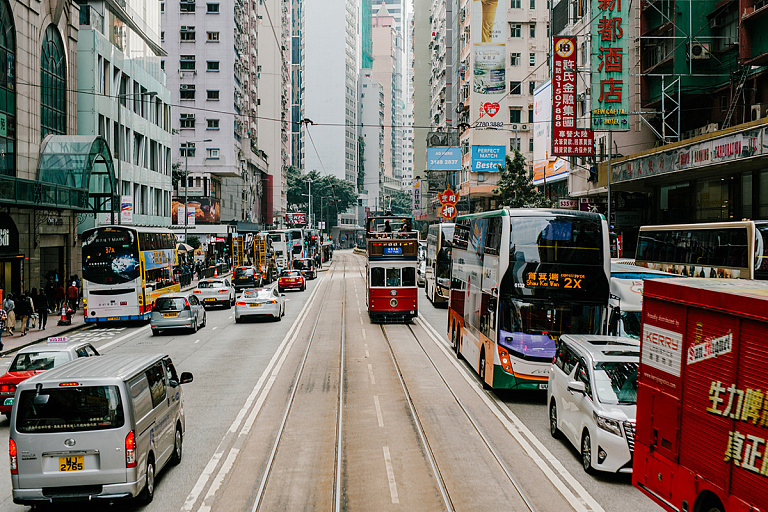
(96, 335)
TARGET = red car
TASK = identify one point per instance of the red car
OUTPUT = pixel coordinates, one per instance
(291, 279)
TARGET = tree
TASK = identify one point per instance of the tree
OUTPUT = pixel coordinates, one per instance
(177, 175)
(329, 193)
(515, 186)
(401, 203)
(193, 241)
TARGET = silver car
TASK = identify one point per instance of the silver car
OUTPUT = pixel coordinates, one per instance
(181, 310)
(215, 291)
(260, 302)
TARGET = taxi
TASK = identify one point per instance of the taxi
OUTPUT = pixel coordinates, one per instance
(291, 279)
(36, 359)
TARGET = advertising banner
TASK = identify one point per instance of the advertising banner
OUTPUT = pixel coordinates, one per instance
(443, 159)
(556, 168)
(178, 218)
(488, 158)
(489, 65)
(191, 215)
(126, 209)
(294, 219)
(567, 138)
(610, 65)
(416, 198)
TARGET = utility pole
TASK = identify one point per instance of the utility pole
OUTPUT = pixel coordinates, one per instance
(186, 182)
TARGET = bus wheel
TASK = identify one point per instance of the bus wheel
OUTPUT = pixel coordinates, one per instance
(457, 342)
(482, 370)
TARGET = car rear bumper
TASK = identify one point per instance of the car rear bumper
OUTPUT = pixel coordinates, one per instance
(107, 492)
(172, 323)
(268, 310)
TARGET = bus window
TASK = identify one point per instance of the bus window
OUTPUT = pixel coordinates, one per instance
(409, 276)
(377, 276)
(393, 277)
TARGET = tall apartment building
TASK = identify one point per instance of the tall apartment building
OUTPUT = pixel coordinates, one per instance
(372, 119)
(422, 80)
(442, 90)
(298, 143)
(212, 70)
(122, 71)
(331, 66)
(396, 9)
(387, 70)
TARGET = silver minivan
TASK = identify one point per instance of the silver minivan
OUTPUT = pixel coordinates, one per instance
(97, 428)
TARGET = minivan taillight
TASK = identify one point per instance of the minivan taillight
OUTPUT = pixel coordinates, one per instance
(130, 450)
(14, 460)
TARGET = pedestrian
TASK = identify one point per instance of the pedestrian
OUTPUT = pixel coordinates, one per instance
(73, 295)
(41, 306)
(49, 291)
(58, 296)
(23, 311)
(9, 305)
(3, 318)
(32, 313)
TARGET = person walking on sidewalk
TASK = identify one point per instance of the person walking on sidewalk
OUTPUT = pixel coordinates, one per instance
(3, 318)
(73, 295)
(32, 315)
(41, 306)
(58, 295)
(9, 305)
(22, 312)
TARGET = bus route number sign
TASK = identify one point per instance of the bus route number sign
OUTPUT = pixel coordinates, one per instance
(397, 251)
(555, 280)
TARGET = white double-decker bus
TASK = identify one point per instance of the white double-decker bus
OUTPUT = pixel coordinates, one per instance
(282, 243)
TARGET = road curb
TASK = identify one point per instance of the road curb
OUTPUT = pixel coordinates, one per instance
(40, 340)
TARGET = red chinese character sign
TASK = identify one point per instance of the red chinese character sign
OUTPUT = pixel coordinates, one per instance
(448, 200)
(610, 65)
(567, 138)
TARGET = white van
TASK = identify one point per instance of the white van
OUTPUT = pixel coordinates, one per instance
(97, 428)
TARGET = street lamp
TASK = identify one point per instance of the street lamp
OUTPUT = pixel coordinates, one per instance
(309, 219)
(119, 138)
(186, 182)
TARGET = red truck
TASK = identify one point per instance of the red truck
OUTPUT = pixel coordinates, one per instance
(702, 401)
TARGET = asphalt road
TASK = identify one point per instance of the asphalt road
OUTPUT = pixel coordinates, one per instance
(244, 375)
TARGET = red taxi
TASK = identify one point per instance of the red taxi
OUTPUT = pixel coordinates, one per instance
(291, 279)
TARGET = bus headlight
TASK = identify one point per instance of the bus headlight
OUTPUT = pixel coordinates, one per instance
(393, 303)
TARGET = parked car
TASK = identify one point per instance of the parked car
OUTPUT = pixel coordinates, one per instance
(592, 397)
(96, 429)
(306, 266)
(180, 310)
(291, 279)
(216, 291)
(260, 302)
(421, 274)
(246, 277)
(30, 361)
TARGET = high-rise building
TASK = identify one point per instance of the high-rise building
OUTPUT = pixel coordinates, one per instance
(372, 118)
(298, 143)
(396, 9)
(387, 70)
(422, 77)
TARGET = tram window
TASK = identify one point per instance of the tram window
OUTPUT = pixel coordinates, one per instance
(393, 277)
(409, 276)
(377, 276)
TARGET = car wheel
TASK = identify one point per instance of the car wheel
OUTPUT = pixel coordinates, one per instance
(238, 320)
(194, 326)
(228, 304)
(553, 430)
(177, 447)
(205, 319)
(457, 345)
(155, 332)
(279, 289)
(586, 452)
(146, 495)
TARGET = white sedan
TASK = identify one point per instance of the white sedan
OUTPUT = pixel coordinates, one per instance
(260, 302)
(215, 291)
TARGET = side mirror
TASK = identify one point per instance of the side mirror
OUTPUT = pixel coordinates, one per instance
(577, 387)
(186, 377)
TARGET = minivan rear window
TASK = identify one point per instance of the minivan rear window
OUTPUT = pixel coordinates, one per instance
(169, 304)
(210, 284)
(243, 272)
(70, 409)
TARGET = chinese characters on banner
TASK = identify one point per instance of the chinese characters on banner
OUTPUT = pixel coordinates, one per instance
(610, 65)
(448, 200)
(567, 138)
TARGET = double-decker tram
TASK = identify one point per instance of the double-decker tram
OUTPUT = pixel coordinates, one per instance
(519, 279)
(392, 259)
(125, 269)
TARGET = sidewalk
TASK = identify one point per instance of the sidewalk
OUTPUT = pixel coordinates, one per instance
(16, 342)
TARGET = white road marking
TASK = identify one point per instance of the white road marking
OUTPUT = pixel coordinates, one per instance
(197, 341)
(359, 312)
(364, 334)
(228, 463)
(121, 338)
(584, 502)
(214, 328)
(391, 476)
(361, 319)
(378, 410)
(370, 374)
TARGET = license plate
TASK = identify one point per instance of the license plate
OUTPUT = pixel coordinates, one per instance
(170, 314)
(71, 463)
(254, 305)
(210, 300)
(542, 386)
(8, 401)
(113, 318)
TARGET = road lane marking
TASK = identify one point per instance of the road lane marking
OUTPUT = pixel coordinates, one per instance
(361, 319)
(584, 502)
(365, 346)
(197, 341)
(370, 374)
(121, 338)
(378, 410)
(228, 463)
(214, 328)
(364, 334)
(391, 476)
(284, 346)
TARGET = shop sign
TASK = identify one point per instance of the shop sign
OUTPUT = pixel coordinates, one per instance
(443, 159)
(293, 219)
(567, 204)
(55, 221)
(415, 198)
(488, 158)
(126, 209)
(627, 217)
(191, 212)
(9, 235)
(567, 139)
(610, 64)
(730, 148)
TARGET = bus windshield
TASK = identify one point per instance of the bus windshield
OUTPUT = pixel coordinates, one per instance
(555, 240)
(110, 256)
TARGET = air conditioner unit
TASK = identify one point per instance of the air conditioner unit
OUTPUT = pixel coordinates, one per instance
(514, 127)
(524, 127)
(698, 50)
(759, 111)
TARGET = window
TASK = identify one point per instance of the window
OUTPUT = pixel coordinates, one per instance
(514, 143)
(212, 8)
(533, 4)
(162, 64)
(187, 149)
(162, 7)
(514, 88)
(187, 91)
(515, 29)
(212, 124)
(212, 153)
(53, 82)
(515, 4)
(514, 59)
(162, 35)
(377, 276)
(187, 6)
(187, 120)
(533, 30)
(212, 65)
(187, 62)
(530, 113)
(530, 144)
(532, 59)
(514, 115)
(531, 87)
(393, 277)
(409, 276)
(212, 95)
(187, 33)
(213, 37)
(156, 378)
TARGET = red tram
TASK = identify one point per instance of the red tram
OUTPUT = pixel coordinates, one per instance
(392, 247)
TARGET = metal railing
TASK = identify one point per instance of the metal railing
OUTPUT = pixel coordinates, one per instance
(35, 193)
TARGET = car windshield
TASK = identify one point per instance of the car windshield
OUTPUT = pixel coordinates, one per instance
(169, 304)
(34, 361)
(210, 284)
(302, 264)
(243, 272)
(290, 274)
(631, 324)
(69, 409)
(616, 382)
(258, 294)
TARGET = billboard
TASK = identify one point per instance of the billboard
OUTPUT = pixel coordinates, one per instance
(294, 219)
(443, 159)
(489, 80)
(488, 158)
(610, 65)
(201, 210)
(126, 209)
(556, 168)
(567, 138)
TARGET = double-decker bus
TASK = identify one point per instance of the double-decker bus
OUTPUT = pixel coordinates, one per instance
(296, 239)
(392, 259)
(716, 249)
(282, 243)
(125, 269)
(437, 283)
(519, 279)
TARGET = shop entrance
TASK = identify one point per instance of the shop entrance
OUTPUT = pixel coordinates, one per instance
(51, 264)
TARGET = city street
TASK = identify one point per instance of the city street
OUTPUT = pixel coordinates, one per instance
(301, 414)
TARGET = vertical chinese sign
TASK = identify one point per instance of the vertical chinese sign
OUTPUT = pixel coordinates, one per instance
(567, 138)
(610, 65)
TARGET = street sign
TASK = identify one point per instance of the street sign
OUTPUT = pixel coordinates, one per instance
(447, 211)
(448, 200)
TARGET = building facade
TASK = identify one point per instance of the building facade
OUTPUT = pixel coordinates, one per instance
(297, 84)
(372, 139)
